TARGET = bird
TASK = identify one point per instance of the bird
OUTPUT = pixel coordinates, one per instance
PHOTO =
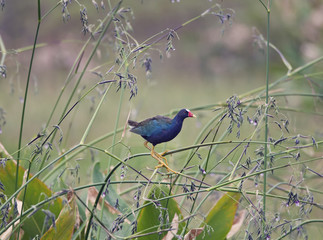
(160, 129)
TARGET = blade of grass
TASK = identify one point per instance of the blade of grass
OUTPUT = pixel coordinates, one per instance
(25, 103)
(26, 92)
(266, 119)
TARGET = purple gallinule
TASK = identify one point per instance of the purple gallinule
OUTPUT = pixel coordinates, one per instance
(160, 129)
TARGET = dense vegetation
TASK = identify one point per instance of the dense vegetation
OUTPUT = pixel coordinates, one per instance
(74, 72)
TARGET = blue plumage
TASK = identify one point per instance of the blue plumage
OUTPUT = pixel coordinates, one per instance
(160, 129)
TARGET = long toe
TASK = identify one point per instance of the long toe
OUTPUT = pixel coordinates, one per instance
(158, 158)
(171, 170)
(160, 166)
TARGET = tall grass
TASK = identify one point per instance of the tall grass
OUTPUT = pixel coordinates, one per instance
(97, 188)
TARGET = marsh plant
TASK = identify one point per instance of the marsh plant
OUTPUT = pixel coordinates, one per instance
(247, 173)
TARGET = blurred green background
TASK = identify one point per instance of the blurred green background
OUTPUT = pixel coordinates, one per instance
(211, 62)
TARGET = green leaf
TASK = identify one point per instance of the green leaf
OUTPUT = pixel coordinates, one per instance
(152, 218)
(37, 191)
(219, 220)
(8, 173)
(64, 225)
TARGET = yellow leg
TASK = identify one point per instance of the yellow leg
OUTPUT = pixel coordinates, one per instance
(157, 154)
(159, 166)
(159, 158)
(162, 157)
(146, 145)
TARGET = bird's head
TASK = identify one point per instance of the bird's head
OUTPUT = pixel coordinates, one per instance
(184, 113)
(189, 113)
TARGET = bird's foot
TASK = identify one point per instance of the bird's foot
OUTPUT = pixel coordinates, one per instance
(167, 168)
(160, 156)
(171, 170)
(160, 166)
(160, 159)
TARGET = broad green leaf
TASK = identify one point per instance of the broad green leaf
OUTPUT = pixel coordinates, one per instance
(97, 175)
(64, 225)
(219, 220)
(37, 191)
(152, 218)
(8, 173)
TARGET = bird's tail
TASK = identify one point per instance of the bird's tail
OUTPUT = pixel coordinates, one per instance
(132, 123)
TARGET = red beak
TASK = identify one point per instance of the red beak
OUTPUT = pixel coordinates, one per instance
(190, 114)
